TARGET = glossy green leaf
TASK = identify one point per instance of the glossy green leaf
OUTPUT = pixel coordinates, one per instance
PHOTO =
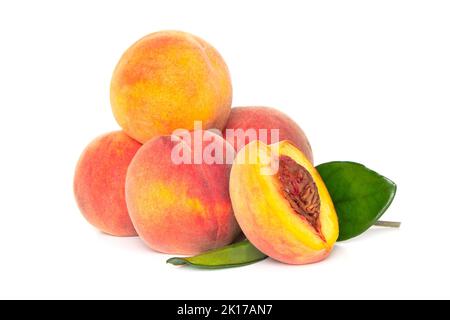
(235, 255)
(360, 195)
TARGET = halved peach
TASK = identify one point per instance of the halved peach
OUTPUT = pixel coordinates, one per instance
(281, 203)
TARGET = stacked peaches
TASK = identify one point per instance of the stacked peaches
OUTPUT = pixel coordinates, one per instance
(132, 182)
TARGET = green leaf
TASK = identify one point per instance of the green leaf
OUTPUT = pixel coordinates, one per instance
(235, 255)
(360, 195)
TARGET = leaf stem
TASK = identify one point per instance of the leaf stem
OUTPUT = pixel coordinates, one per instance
(388, 224)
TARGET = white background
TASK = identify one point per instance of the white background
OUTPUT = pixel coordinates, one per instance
(368, 81)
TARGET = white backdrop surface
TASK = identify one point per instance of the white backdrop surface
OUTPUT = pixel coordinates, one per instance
(368, 81)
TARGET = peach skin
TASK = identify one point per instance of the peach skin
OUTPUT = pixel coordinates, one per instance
(181, 207)
(99, 183)
(166, 81)
(257, 118)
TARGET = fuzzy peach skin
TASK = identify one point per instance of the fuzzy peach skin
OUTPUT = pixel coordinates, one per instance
(265, 118)
(167, 80)
(181, 208)
(99, 183)
(265, 215)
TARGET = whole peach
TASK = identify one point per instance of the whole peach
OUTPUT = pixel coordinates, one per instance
(99, 183)
(167, 80)
(178, 198)
(257, 118)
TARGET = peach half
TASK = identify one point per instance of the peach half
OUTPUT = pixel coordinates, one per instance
(281, 203)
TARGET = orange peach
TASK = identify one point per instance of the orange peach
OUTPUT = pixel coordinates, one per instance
(257, 118)
(99, 183)
(166, 81)
(178, 198)
(282, 204)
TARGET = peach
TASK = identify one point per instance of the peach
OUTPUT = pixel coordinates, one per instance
(99, 183)
(166, 81)
(178, 198)
(282, 204)
(257, 118)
